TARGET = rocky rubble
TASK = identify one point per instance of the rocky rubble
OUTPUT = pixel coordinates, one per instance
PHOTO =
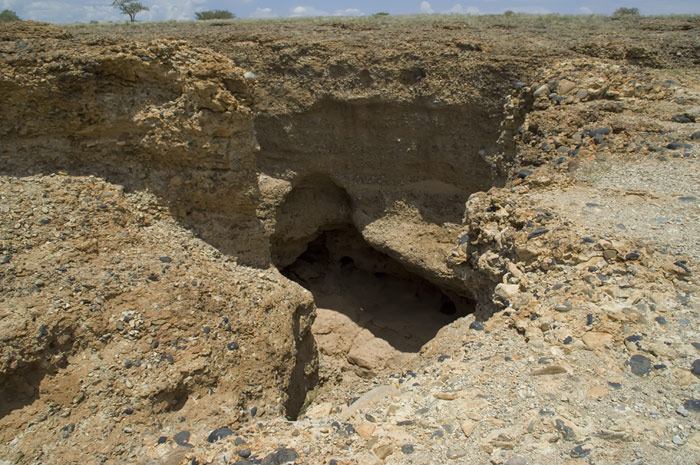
(115, 319)
(116, 323)
(583, 346)
(135, 330)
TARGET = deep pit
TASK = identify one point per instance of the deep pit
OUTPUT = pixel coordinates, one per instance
(371, 313)
(363, 215)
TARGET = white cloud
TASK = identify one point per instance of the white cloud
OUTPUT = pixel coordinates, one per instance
(585, 10)
(426, 7)
(532, 10)
(300, 10)
(263, 13)
(7, 4)
(67, 11)
(165, 10)
(348, 12)
(64, 12)
(460, 10)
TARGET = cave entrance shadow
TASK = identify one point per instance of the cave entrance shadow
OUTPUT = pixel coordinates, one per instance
(20, 389)
(347, 276)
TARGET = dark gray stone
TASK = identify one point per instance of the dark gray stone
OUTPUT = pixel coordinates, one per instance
(678, 145)
(218, 434)
(639, 365)
(232, 346)
(579, 452)
(523, 173)
(182, 438)
(566, 432)
(280, 457)
(600, 132)
(682, 265)
(476, 325)
(537, 232)
(696, 367)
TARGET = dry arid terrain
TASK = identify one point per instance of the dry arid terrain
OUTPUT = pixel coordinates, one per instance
(400, 240)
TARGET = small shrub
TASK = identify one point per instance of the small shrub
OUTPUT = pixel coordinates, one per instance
(625, 12)
(508, 13)
(215, 14)
(8, 15)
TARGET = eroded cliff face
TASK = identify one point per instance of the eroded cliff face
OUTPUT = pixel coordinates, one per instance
(158, 116)
(127, 145)
(124, 170)
(400, 166)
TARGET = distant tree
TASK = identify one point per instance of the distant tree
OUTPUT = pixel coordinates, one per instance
(381, 13)
(508, 13)
(129, 7)
(8, 15)
(625, 12)
(215, 14)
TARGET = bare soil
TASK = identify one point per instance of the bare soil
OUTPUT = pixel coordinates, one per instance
(385, 240)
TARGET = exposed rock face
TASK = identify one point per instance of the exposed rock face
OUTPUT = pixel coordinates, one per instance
(158, 116)
(109, 156)
(387, 167)
(155, 201)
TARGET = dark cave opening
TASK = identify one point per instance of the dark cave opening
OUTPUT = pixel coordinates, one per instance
(373, 313)
(347, 276)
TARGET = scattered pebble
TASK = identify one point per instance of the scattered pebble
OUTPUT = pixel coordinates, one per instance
(182, 438)
(696, 367)
(281, 457)
(538, 232)
(476, 325)
(218, 434)
(579, 452)
(639, 365)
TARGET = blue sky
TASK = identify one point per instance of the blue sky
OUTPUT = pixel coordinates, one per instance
(62, 11)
